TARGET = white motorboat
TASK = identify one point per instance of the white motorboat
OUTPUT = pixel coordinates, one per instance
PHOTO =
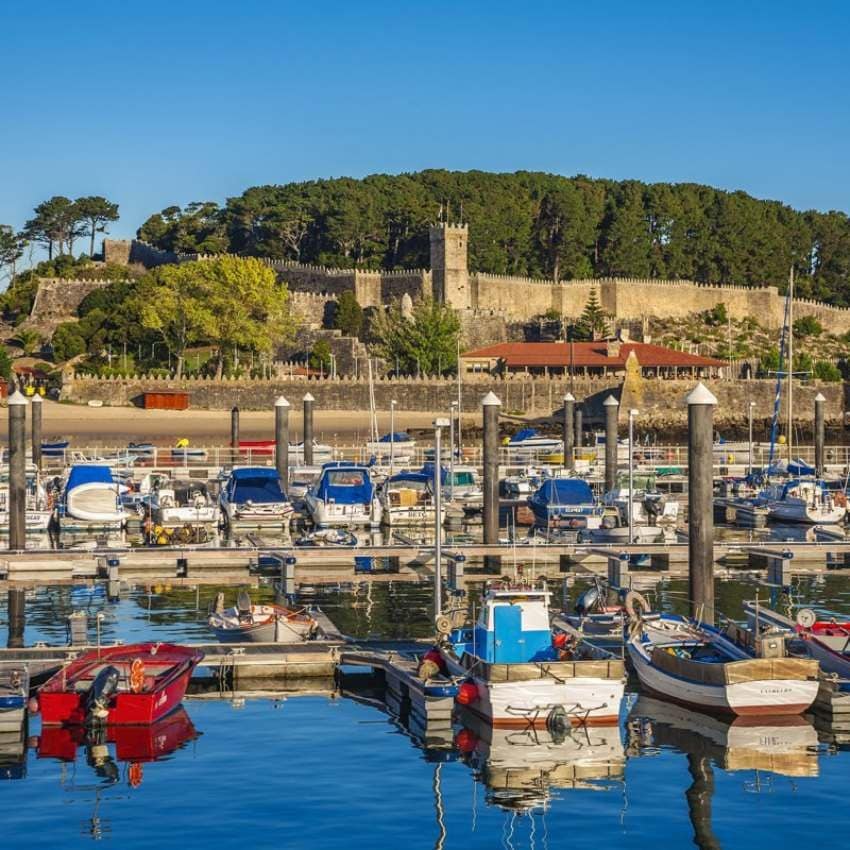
(344, 495)
(649, 506)
(567, 503)
(407, 498)
(400, 445)
(253, 496)
(39, 508)
(91, 496)
(182, 503)
(322, 453)
(700, 666)
(530, 444)
(804, 500)
(520, 674)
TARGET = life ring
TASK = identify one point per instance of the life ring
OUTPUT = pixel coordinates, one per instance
(632, 602)
(137, 675)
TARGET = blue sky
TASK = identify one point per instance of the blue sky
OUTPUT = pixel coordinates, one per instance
(156, 103)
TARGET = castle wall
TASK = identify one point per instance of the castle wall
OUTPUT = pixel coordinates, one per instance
(56, 301)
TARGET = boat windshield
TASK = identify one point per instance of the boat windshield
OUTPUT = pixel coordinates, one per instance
(346, 478)
(463, 478)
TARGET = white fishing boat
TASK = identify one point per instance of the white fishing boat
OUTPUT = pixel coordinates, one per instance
(344, 495)
(695, 664)
(92, 497)
(246, 622)
(407, 499)
(804, 500)
(253, 496)
(520, 674)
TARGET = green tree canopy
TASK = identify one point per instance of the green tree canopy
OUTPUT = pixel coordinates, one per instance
(95, 212)
(425, 344)
(593, 322)
(67, 342)
(348, 317)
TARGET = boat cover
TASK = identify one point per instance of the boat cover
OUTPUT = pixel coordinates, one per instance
(89, 474)
(523, 435)
(345, 485)
(411, 477)
(564, 491)
(398, 437)
(734, 672)
(256, 484)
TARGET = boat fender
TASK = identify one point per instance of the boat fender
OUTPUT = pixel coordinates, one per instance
(98, 696)
(806, 618)
(432, 663)
(137, 675)
(134, 774)
(467, 693)
(635, 605)
(466, 741)
(588, 600)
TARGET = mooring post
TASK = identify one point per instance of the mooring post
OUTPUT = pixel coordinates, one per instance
(17, 471)
(308, 429)
(234, 433)
(281, 440)
(36, 409)
(569, 433)
(612, 409)
(491, 405)
(17, 617)
(820, 434)
(701, 404)
(579, 433)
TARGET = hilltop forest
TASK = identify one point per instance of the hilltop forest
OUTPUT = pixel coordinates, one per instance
(527, 223)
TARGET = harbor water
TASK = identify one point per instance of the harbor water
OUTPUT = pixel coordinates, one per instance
(321, 764)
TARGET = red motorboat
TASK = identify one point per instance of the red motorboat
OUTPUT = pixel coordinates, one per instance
(828, 641)
(121, 685)
(257, 448)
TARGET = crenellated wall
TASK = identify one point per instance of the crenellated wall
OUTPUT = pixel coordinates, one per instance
(56, 301)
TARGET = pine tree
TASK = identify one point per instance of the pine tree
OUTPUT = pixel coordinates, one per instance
(593, 323)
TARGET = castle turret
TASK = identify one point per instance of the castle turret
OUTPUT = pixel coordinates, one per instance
(449, 267)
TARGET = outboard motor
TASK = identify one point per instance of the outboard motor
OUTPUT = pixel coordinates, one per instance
(243, 606)
(99, 695)
(588, 601)
(654, 506)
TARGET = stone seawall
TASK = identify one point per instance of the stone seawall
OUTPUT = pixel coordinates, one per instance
(661, 403)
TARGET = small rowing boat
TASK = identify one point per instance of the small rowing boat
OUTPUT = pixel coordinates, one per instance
(249, 623)
(122, 685)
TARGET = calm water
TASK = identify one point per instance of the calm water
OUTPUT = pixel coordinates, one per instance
(323, 769)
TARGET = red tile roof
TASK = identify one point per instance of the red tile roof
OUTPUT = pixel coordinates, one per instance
(557, 354)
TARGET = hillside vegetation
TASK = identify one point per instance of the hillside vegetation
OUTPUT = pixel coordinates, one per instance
(527, 223)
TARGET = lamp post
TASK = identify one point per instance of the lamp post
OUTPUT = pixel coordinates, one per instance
(392, 436)
(750, 407)
(452, 449)
(632, 414)
(439, 424)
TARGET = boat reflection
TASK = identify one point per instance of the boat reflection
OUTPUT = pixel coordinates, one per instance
(782, 745)
(520, 768)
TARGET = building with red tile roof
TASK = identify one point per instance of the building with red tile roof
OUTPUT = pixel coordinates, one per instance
(600, 357)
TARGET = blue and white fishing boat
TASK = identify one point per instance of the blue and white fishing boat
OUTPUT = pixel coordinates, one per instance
(566, 503)
(520, 674)
(529, 443)
(91, 498)
(407, 498)
(804, 500)
(254, 496)
(698, 665)
(344, 495)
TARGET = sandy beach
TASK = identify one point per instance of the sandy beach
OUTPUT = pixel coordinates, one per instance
(113, 427)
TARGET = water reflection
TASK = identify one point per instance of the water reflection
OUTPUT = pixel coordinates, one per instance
(520, 768)
(112, 755)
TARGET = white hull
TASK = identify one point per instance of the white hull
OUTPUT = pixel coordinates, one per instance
(793, 510)
(272, 514)
(95, 503)
(208, 515)
(336, 515)
(35, 521)
(410, 516)
(774, 696)
(586, 700)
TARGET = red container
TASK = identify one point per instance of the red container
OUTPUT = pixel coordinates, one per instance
(166, 670)
(165, 400)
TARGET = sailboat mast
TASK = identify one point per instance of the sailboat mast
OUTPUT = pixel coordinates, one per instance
(790, 437)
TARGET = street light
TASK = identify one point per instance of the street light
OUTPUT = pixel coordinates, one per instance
(750, 449)
(452, 449)
(392, 436)
(632, 414)
(439, 424)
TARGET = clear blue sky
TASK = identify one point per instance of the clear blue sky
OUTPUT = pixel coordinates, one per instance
(160, 103)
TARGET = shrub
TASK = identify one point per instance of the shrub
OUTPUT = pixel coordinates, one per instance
(807, 326)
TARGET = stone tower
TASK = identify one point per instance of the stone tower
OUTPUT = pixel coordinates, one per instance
(449, 267)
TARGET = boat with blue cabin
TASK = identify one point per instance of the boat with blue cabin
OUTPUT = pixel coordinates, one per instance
(91, 498)
(407, 498)
(530, 443)
(254, 496)
(344, 495)
(519, 673)
(567, 503)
